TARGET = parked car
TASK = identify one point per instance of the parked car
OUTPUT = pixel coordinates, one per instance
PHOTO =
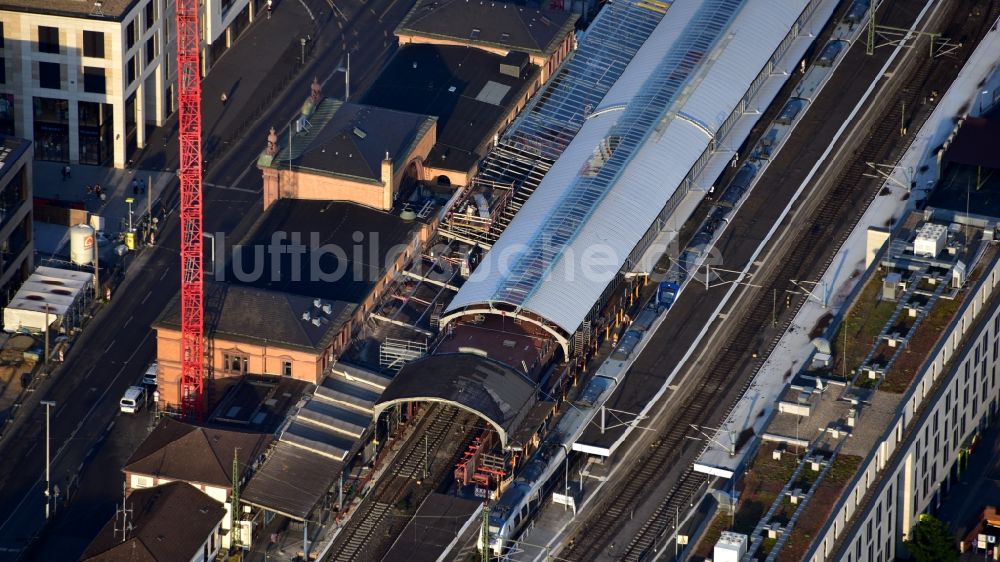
(134, 399)
(149, 377)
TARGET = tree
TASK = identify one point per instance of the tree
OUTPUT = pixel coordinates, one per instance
(930, 541)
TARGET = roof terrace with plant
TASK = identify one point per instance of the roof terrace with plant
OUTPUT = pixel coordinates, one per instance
(836, 410)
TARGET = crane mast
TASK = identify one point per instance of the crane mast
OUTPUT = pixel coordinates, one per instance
(190, 172)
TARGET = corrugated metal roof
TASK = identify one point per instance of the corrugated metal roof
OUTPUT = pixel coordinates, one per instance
(576, 231)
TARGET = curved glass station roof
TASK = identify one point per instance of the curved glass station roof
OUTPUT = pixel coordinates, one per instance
(644, 111)
(628, 157)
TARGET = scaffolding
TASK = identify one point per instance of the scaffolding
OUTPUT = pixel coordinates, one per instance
(475, 218)
(394, 352)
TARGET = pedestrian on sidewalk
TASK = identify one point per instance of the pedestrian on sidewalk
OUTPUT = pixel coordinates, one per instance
(142, 187)
(270, 6)
(135, 186)
(223, 97)
(67, 172)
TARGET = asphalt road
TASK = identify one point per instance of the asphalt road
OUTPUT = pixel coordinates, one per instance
(118, 343)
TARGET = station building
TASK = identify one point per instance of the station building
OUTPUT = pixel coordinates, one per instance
(254, 331)
(348, 152)
(473, 93)
(84, 79)
(503, 28)
(297, 289)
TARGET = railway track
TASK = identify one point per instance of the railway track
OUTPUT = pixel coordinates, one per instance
(805, 258)
(373, 527)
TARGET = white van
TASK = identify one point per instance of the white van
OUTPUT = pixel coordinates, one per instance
(133, 400)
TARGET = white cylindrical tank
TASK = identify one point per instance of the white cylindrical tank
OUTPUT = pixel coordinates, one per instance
(81, 244)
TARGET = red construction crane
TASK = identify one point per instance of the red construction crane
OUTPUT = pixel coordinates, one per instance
(192, 291)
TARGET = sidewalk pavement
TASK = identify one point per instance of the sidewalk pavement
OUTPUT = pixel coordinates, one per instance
(52, 240)
(252, 73)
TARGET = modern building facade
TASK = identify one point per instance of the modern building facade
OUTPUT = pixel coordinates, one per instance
(82, 78)
(16, 246)
(875, 434)
(85, 79)
(948, 404)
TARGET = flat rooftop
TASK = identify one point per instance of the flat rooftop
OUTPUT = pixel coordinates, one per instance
(896, 316)
(970, 179)
(500, 25)
(257, 404)
(343, 249)
(109, 10)
(461, 86)
(838, 408)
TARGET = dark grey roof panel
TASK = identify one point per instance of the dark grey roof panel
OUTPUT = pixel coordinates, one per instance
(336, 389)
(292, 481)
(348, 372)
(494, 391)
(342, 419)
(324, 442)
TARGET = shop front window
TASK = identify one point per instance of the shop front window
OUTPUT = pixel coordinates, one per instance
(96, 132)
(51, 129)
(130, 126)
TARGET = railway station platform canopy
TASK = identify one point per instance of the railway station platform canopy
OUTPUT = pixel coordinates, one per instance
(502, 396)
(632, 161)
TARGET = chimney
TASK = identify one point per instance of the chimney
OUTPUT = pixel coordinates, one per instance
(388, 189)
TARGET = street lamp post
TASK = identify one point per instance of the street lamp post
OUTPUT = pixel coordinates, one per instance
(48, 405)
(982, 95)
(46, 330)
(97, 265)
(302, 41)
(130, 200)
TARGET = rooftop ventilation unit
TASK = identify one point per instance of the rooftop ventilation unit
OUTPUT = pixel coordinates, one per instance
(930, 240)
